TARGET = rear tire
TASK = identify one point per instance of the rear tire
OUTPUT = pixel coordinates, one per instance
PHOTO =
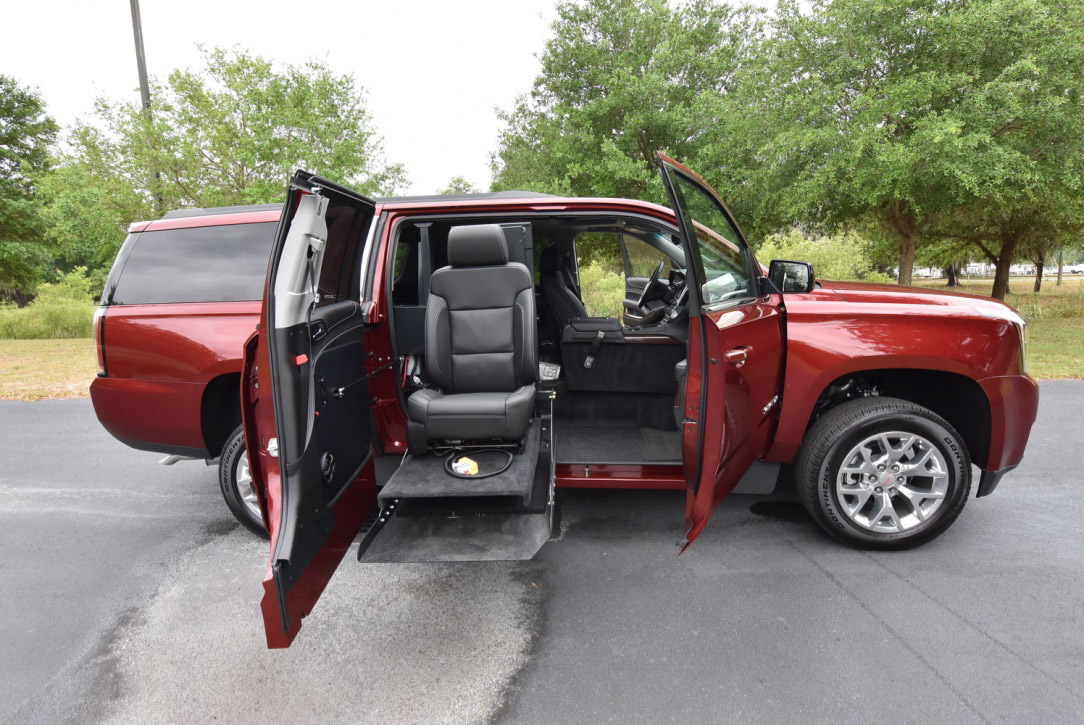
(882, 473)
(235, 481)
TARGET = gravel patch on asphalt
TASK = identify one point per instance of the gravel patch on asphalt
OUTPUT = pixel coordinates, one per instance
(385, 644)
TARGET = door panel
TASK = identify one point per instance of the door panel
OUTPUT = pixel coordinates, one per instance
(315, 443)
(735, 361)
(741, 412)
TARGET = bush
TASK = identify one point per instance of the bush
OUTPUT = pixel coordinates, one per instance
(61, 309)
(603, 290)
(840, 257)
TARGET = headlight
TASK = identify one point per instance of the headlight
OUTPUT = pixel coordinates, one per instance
(1021, 325)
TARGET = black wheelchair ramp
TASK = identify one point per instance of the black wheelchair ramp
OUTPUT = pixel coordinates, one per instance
(427, 515)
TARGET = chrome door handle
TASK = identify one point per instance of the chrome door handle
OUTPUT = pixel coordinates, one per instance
(737, 357)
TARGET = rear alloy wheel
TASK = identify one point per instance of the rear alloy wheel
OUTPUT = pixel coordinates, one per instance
(883, 473)
(238, 489)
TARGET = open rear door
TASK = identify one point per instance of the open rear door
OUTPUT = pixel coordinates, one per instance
(735, 355)
(305, 398)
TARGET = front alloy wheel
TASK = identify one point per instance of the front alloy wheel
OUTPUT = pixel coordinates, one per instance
(892, 482)
(883, 473)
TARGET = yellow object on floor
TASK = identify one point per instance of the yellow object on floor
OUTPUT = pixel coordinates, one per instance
(465, 467)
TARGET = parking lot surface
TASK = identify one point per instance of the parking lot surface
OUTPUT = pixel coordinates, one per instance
(129, 595)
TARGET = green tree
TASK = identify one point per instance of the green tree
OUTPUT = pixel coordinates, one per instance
(853, 92)
(86, 214)
(1020, 130)
(25, 135)
(459, 185)
(911, 112)
(843, 256)
(621, 79)
(231, 133)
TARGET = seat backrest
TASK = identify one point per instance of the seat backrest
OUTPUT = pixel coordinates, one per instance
(560, 298)
(480, 331)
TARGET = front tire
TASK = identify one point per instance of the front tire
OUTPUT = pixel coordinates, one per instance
(882, 473)
(235, 479)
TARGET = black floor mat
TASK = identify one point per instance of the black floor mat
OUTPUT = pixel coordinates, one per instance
(661, 445)
(615, 444)
(425, 477)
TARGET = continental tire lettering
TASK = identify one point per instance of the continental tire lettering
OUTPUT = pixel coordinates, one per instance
(826, 497)
(954, 448)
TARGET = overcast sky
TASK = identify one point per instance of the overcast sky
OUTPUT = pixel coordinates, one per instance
(434, 71)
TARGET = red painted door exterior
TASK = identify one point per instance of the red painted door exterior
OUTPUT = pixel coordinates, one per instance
(736, 350)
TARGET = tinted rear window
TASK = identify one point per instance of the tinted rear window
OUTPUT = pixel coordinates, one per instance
(203, 264)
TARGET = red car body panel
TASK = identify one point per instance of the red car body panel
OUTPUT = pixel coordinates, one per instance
(153, 392)
(1014, 403)
(244, 217)
(644, 477)
(160, 359)
(888, 328)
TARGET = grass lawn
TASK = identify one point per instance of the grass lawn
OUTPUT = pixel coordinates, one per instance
(39, 369)
(1055, 322)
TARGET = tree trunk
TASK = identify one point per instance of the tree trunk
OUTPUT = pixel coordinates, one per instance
(907, 259)
(1001, 277)
(1040, 261)
(1061, 264)
(950, 272)
(1009, 242)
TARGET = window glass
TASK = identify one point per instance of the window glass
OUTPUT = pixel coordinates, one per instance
(225, 263)
(643, 258)
(720, 257)
(333, 268)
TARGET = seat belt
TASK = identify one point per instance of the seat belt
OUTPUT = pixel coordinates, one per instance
(596, 345)
(425, 262)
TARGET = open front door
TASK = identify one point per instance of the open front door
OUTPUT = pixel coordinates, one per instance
(305, 405)
(735, 356)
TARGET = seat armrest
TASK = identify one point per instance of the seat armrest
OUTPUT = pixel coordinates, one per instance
(595, 324)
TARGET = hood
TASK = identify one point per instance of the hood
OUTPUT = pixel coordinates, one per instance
(897, 295)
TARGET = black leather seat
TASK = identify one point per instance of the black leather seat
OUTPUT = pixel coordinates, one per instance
(480, 345)
(557, 287)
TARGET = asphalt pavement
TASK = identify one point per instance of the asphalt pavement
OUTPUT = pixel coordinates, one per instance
(129, 595)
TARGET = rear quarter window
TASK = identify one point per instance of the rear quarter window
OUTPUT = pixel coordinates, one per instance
(225, 263)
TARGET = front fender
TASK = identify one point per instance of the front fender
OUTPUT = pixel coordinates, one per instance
(830, 340)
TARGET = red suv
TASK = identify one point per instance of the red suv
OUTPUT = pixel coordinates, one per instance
(425, 373)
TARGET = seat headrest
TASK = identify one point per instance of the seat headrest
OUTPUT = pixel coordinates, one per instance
(549, 261)
(477, 245)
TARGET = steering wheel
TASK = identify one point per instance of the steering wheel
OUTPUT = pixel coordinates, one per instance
(650, 283)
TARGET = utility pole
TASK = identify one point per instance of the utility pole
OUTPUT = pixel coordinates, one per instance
(141, 57)
(145, 96)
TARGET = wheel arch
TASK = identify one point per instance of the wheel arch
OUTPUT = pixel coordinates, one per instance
(957, 398)
(220, 411)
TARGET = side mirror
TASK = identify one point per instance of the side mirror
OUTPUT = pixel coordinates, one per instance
(788, 276)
